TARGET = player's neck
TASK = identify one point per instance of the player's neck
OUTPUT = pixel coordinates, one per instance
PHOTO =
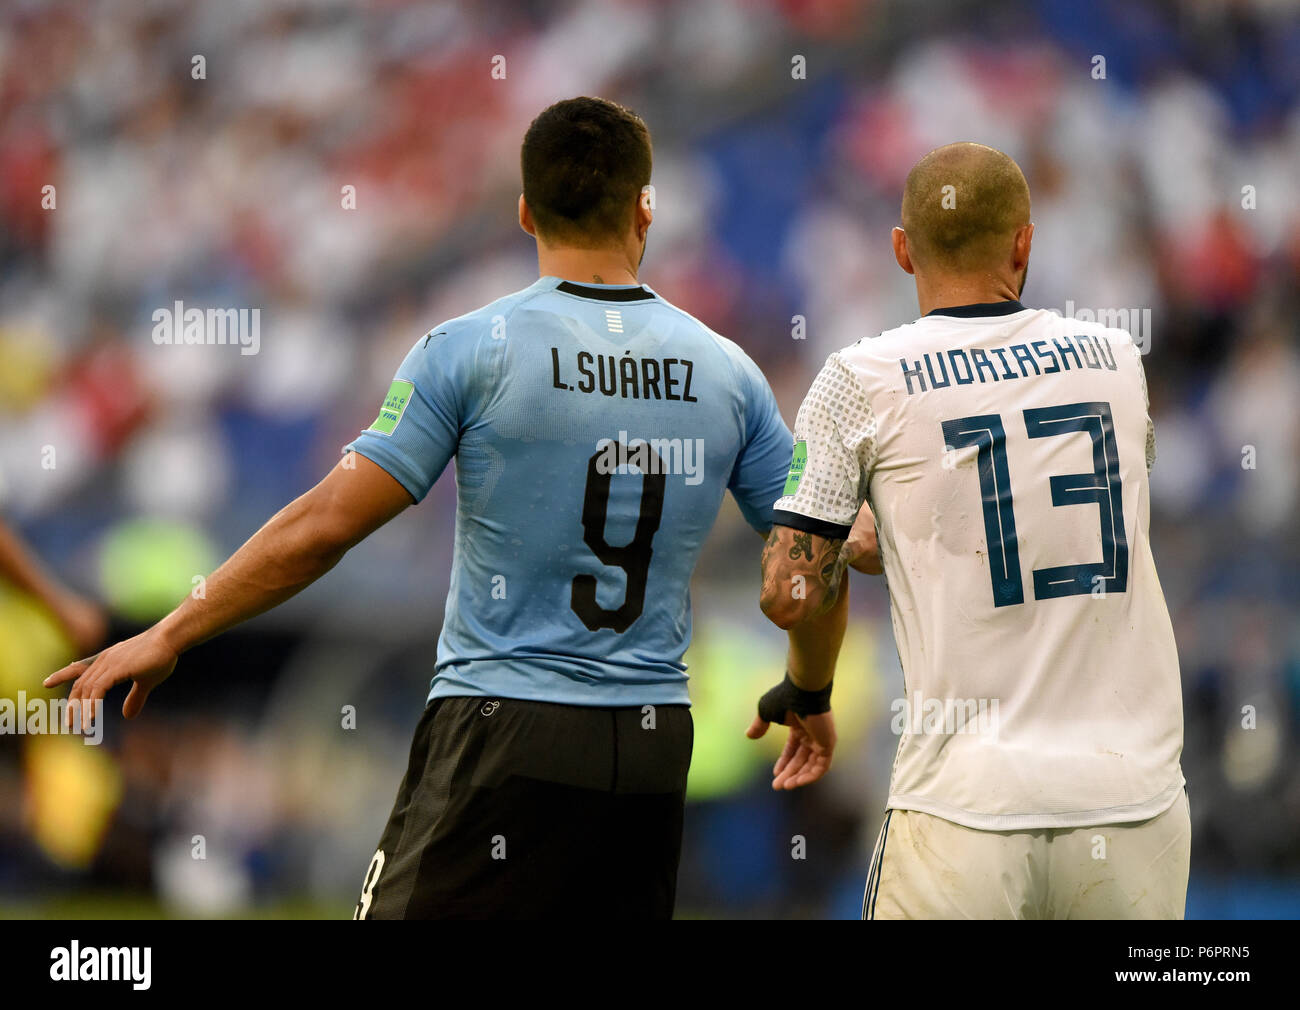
(947, 292)
(586, 266)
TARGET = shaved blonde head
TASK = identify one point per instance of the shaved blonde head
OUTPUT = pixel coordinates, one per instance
(962, 206)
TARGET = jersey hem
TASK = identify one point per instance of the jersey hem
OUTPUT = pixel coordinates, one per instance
(1127, 814)
(579, 695)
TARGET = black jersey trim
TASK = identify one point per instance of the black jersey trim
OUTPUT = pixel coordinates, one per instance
(980, 309)
(807, 524)
(637, 294)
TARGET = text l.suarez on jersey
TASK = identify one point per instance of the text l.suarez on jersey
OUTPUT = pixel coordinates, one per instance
(628, 377)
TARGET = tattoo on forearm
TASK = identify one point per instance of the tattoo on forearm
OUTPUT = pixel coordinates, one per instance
(831, 566)
(817, 569)
(769, 569)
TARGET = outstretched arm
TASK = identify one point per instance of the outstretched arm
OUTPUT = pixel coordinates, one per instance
(82, 620)
(302, 542)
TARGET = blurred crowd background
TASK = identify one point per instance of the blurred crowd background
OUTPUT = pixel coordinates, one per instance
(1164, 177)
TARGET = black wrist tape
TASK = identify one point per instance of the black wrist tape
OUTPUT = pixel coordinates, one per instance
(788, 696)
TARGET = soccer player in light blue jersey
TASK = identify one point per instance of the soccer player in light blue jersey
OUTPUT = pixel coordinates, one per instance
(595, 429)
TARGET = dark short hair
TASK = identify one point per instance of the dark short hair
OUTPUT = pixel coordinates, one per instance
(585, 162)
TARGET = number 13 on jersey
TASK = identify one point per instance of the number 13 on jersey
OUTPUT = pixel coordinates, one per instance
(1101, 487)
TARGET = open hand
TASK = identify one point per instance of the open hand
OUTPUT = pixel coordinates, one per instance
(145, 660)
(808, 748)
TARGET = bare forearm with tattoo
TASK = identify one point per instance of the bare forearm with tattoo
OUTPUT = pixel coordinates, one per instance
(802, 573)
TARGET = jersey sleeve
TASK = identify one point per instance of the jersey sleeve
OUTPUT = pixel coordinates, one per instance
(834, 444)
(418, 427)
(763, 460)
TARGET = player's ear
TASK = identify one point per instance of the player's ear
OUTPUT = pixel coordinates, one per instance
(526, 217)
(901, 252)
(1020, 248)
(645, 211)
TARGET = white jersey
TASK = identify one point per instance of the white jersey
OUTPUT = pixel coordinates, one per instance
(1005, 453)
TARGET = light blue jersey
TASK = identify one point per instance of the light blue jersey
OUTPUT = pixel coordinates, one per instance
(595, 429)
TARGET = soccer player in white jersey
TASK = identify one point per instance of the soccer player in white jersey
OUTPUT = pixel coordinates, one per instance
(1005, 452)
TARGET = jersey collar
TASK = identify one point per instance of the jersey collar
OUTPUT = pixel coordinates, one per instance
(607, 292)
(979, 309)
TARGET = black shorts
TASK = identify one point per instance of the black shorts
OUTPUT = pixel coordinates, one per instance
(527, 810)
